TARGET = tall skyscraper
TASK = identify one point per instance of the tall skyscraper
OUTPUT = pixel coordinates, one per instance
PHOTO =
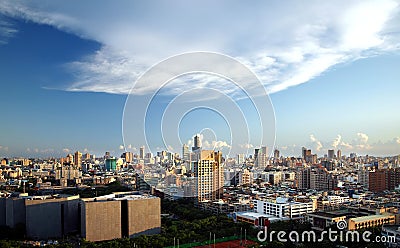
(240, 158)
(209, 173)
(128, 156)
(185, 152)
(111, 164)
(196, 142)
(78, 159)
(276, 153)
(339, 154)
(331, 153)
(141, 153)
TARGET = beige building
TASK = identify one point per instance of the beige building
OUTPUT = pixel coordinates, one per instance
(371, 221)
(120, 215)
(208, 170)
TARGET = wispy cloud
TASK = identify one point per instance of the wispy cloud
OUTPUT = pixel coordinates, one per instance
(7, 30)
(286, 44)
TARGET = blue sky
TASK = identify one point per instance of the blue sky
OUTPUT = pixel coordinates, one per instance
(331, 70)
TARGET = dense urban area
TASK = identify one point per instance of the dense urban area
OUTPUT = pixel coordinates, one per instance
(197, 198)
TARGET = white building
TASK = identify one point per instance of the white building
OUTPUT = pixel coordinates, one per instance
(283, 208)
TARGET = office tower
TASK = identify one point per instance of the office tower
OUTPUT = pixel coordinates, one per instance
(304, 152)
(185, 153)
(331, 153)
(256, 152)
(111, 164)
(87, 156)
(384, 179)
(128, 156)
(208, 170)
(262, 157)
(196, 142)
(276, 153)
(339, 154)
(316, 177)
(141, 153)
(148, 155)
(78, 159)
(377, 180)
(69, 159)
(363, 177)
(240, 158)
(246, 177)
(264, 150)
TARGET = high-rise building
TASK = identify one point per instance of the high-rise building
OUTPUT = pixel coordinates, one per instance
(128, 156)
(331, 153)
(69, 159)
(339, 154)
(185, 153)
(196, 142)
(377, 180)
(316, 177)
(304, 152)
(208, 170)
(87, 156)
(240, 158)
(384, 179)
(276, 153)
(111, 164)
(78, 159)
(141, 153)
(256, 152)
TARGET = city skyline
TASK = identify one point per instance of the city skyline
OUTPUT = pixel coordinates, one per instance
(332, 76)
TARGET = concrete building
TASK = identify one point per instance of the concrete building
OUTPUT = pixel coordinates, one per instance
(283, 208)
(43, 217)
(322, 220)
(120, 215)
(185, 153)
(370, 221)
(208, 170)
(78, 159)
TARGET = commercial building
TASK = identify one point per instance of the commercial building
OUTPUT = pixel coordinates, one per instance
(371, 221)
(208, 170)
(283, 208)
(118, 215)
(43, 217)
(316, 177)
(111, 164)
(322, 220)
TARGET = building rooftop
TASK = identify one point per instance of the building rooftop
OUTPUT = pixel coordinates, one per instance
(370, 217)
(119, 196)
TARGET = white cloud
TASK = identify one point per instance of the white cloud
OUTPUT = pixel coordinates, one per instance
(7, 30)
(4, 148)
(397, 140)
(317, 144)
(336, 141)
(362, 137)
(66, 150)
(284, 46)
(121, 147)
(246, 146)
(346, 145)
